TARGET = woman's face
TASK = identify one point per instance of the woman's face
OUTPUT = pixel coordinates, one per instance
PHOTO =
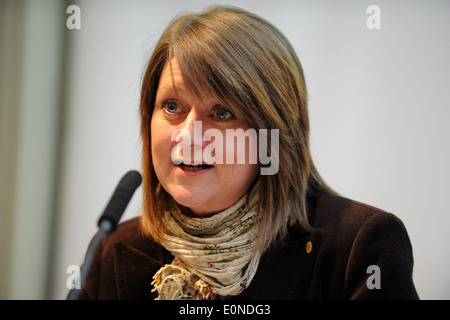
(204, 189)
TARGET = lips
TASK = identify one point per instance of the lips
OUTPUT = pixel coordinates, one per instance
(192, 167)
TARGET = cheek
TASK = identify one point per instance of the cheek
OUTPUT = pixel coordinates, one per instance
(249, 173)
(238, 179)
(160, 142)
(242, 149)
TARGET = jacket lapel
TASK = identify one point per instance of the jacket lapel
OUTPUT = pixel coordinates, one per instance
(134, 270)
(285, 272)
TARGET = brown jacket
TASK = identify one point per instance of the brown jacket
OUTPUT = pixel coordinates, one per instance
(330, 263)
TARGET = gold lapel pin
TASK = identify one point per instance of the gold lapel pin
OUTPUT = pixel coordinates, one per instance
(308, 247)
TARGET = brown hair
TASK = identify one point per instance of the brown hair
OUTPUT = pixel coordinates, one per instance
(249, 64)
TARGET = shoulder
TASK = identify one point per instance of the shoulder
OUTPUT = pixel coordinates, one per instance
(129, 237)
(342, 217)
(349, 227)
(128, 232)
(356, 236)
(124, 264)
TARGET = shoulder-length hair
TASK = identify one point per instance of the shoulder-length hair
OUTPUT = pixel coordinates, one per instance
(249, 64)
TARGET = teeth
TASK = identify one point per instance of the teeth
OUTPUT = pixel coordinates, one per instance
(191, 168)
(178, 163)
(194, 167)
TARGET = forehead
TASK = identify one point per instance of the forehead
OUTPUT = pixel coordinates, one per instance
(171, 75)
(172, 79)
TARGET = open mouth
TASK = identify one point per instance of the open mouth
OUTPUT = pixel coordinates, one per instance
(192, 167)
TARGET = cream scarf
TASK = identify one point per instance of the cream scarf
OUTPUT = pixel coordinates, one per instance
(213, 256)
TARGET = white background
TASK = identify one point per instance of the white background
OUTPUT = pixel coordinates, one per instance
(378, 100)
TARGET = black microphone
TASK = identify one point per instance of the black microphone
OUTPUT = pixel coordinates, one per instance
(108, 222)
(121, 197)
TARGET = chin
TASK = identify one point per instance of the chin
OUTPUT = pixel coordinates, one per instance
(191, 197)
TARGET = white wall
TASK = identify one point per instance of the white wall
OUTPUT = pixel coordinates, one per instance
(379, 106)
(31, 39)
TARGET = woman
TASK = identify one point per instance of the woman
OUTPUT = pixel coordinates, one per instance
(241, 228)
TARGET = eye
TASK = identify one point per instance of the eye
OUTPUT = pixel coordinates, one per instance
(170, 106)
(222, 113)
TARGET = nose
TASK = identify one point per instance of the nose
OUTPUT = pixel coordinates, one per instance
(194, 126)
(189, 138)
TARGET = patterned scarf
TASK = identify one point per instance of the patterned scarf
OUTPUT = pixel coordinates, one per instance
(213, 256)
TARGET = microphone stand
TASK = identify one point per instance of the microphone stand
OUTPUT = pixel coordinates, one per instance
(75, 294)
(107, 224)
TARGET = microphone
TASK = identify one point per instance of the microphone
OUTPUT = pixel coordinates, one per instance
(108, 222)
(121, 197)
